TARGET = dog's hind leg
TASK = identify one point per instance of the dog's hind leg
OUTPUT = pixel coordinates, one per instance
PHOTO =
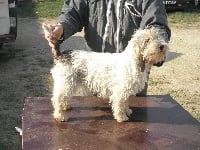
(62, 93)
(128, 110)
(60, 102)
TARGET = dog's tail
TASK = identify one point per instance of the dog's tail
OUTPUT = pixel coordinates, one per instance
(55, 51)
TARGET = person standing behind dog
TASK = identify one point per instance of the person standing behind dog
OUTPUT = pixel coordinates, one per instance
(109, 24)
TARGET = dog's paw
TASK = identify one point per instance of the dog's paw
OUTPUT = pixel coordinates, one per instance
(129, 111)
(60, 116)
(122, 119)
(65, 107)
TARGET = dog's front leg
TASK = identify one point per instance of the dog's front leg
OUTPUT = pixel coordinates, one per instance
(119, 108)
(59, 114)
(128, 110)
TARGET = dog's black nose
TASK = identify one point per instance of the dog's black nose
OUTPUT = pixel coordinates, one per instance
(161, 47)
(159, 64)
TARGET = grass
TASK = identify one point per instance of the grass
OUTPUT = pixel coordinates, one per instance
(188, 100)
(18, 81)
(43, 9)
(187, 17)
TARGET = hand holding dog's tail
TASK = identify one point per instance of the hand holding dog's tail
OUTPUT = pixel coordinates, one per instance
(49, 35)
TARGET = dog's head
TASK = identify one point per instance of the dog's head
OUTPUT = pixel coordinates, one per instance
(152, 50)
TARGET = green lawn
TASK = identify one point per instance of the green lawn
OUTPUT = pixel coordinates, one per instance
(43, 9)
(184, 17)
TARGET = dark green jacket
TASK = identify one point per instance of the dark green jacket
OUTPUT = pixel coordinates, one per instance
(109, 24)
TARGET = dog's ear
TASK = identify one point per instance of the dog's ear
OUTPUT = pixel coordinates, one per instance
(142, 67)
(141, 61)
(143, 42)
(143, 39)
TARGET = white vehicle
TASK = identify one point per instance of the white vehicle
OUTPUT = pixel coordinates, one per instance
(8, 21)
(196, 3)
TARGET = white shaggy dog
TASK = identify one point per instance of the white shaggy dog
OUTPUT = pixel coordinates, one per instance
(109, 75)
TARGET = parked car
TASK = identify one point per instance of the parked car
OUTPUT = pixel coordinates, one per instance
(175, 4)
(8, 21)
(196, 2)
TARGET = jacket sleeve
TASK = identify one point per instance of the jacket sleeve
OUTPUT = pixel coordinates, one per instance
(73, 16)
(154, 15)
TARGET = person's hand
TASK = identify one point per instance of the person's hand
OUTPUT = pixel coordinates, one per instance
(55, 34)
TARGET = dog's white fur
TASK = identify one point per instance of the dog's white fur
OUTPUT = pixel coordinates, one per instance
(109, 75)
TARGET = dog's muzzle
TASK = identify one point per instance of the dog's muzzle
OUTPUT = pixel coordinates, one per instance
(159, 64)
